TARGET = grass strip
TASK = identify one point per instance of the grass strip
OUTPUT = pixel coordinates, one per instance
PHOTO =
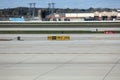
(53, 32)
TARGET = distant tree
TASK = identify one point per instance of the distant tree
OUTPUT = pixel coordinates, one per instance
(24, 11)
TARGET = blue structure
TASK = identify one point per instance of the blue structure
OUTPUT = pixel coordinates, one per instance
(16, 19)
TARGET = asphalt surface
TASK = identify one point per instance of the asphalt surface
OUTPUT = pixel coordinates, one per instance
(60, 60)
(58, 29)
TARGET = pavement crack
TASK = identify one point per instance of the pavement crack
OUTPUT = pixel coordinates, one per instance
(111, 69)
(54, 68)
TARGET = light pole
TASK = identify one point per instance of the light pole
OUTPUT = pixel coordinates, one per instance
(49, 8)
(34, 10)
(32, 6)
(53, 6)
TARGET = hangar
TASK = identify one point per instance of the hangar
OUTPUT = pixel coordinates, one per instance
(95, 16)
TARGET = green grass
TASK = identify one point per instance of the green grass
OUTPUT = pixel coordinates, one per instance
(53, 32)
(62, 24)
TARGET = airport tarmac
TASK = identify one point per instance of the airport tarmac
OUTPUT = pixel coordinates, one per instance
(58, 29)
(60, 60)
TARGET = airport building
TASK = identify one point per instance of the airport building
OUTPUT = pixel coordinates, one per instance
(95, 16)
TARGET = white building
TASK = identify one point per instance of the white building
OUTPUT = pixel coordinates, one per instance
(84, 16)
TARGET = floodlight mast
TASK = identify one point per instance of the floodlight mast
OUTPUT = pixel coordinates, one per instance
(34, 9)
(49, 8)
(32, 6)
(53, 7)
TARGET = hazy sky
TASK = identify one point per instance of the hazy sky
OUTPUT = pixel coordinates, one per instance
(62, 3)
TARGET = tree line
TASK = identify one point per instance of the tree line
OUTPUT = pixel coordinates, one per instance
(27, 12)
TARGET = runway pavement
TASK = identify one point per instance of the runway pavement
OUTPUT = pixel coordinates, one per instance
(60, 60)
(58, 29)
